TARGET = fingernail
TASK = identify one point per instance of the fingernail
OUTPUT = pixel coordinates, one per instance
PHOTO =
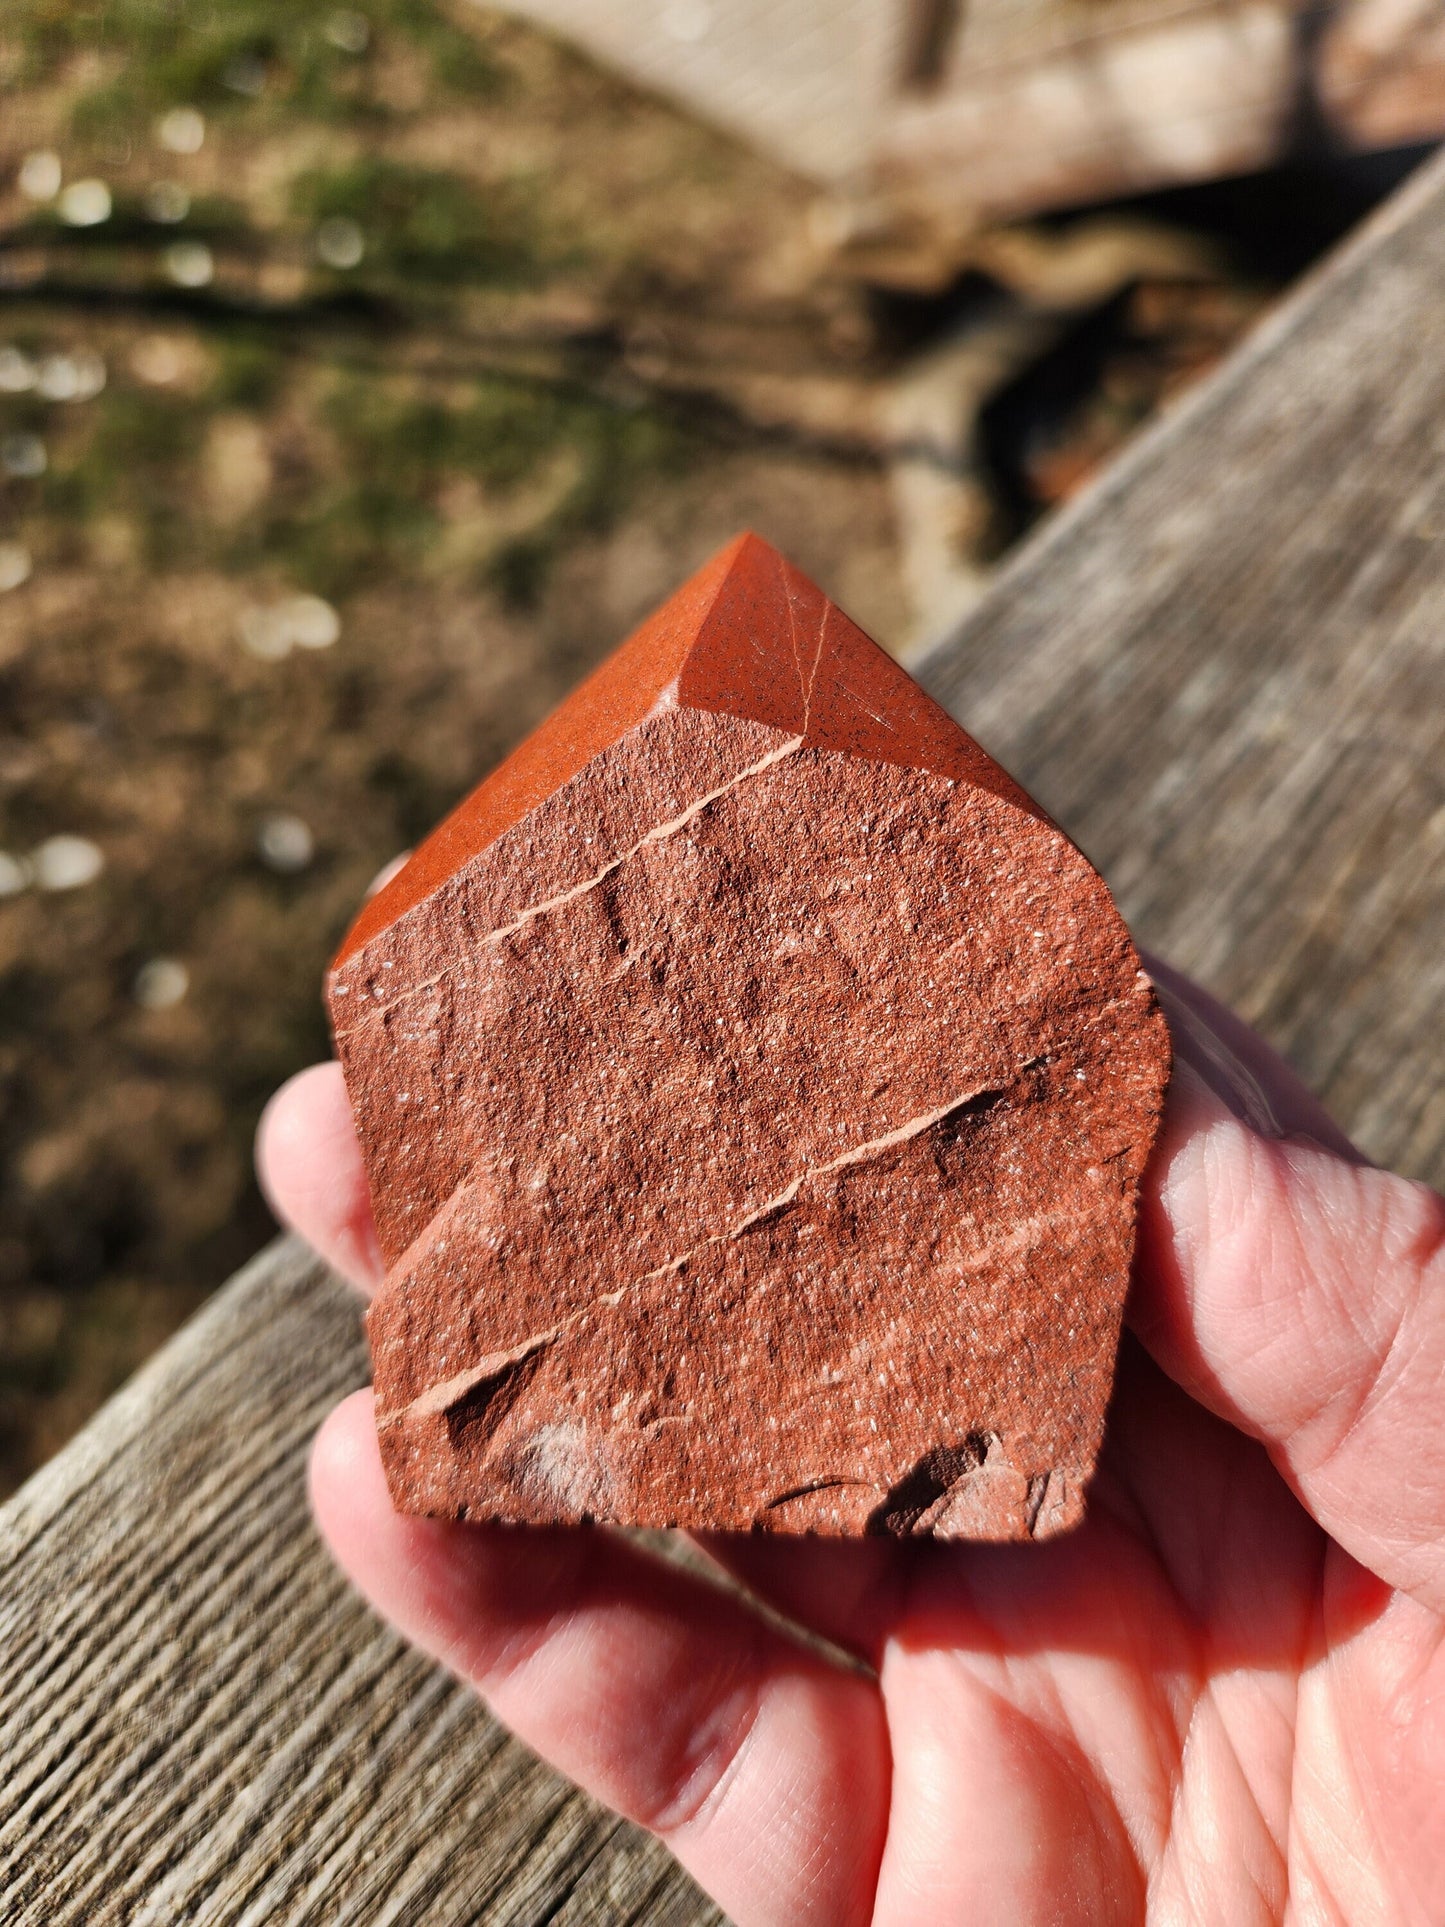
(1231, 1080)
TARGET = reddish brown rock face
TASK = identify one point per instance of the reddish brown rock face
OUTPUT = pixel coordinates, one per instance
(754, 1086)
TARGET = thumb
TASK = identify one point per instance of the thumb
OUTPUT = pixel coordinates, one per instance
(1300, 1294)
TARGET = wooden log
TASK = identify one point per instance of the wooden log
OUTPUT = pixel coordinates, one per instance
(928, 120)
(1221, 668)
(1045, 106)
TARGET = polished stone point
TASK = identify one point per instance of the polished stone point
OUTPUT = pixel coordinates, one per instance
(754, 1086)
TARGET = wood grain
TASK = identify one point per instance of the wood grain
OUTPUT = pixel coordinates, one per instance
(1222, 670)
(199, 1724)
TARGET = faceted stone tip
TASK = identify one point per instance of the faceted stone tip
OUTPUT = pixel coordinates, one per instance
(755, 1087)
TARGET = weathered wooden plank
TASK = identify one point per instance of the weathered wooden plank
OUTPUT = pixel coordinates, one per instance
(198, 1724)
(1223, 670)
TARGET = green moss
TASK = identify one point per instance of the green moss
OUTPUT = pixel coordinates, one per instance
(364, 461)
(146, 437)
(508, 436)
(421, 226)
(374, 515)
(138, 459)
(520, 568)
(251, 367)
(363, 504)
(229, 55)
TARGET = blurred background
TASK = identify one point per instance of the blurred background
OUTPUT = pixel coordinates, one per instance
(367, 372)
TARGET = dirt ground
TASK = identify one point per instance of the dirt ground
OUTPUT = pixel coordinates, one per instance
(364, 376)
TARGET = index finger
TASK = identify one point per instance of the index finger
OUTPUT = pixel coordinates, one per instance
(310, 1167)
(1299, 1293)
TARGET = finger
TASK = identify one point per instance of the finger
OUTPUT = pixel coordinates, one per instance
(999, 1815)
(763, 1767)
(309, 1164)
(853, 1594)
(1302, 1297)
(1253, 1080)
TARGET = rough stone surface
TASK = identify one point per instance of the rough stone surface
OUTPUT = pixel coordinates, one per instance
(754, 1086)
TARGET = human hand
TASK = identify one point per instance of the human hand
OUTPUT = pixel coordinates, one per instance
(1222, 1699)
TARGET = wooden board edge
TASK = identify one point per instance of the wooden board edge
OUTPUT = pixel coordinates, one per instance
(284, 1269)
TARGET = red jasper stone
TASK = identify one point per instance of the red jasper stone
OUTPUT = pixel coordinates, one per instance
(754, 1086)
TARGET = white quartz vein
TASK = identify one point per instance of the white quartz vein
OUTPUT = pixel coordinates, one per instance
(445, 1393)
(657, 834)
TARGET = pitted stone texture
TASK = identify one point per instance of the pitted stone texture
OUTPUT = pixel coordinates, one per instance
(755, 1088)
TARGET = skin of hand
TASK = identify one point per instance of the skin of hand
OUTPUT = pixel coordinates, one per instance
(1221, 1700)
